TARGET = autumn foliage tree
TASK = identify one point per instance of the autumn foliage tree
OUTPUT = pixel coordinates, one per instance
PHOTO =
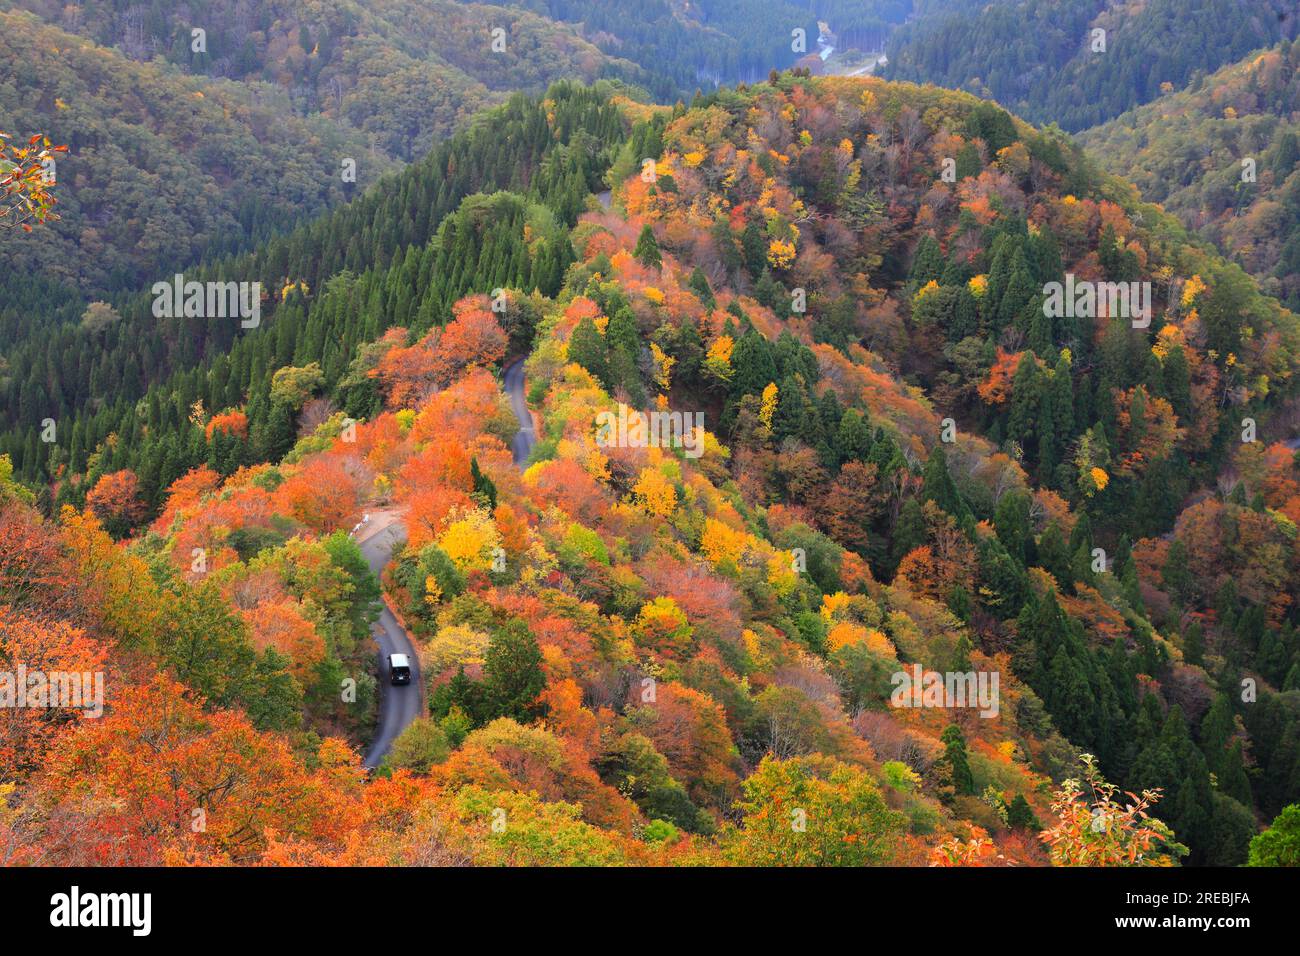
(232, 422)
(282, 626)
(813, 811)
(473, 338)
(325, 492)
(1097, 828)
(27, 731)
(26, 178)
(115, 499)
(129, 788)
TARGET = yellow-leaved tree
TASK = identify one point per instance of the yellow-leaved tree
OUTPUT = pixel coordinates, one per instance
(655, 493)
(471, 540)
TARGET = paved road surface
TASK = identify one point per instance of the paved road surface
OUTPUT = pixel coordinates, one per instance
(398, 706)
(526, 437)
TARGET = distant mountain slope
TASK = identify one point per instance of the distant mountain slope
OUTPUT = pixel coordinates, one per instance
(408, 71)
(405, 73)
(167, 168)
(1186, 151)
(690, 45)
(162, 167)
(1035, 57)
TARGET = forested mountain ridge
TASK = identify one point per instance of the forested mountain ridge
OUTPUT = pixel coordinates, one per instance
(1224, 156)
(287, 108)
(1042, 59)
(377, 82)
(90, 378)
(178, 156)
(644, 655)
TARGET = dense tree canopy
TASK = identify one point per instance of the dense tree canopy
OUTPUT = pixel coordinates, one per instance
(681, 644)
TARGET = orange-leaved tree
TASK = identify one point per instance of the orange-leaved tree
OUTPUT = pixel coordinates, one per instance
(115, 500)
(1096, 828)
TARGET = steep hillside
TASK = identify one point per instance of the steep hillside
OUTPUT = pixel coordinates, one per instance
(688, 46)
(104, 369)
(1042, 59)
(188, 147)
(405, 74)
(351, 58)
(178, 154)
(162, 168)
(652, 650)
(1224, 156)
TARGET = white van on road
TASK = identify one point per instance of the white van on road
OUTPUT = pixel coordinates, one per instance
(399, 669)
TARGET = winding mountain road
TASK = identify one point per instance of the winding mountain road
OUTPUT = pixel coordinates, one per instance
(526, 438)
(399, 706)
